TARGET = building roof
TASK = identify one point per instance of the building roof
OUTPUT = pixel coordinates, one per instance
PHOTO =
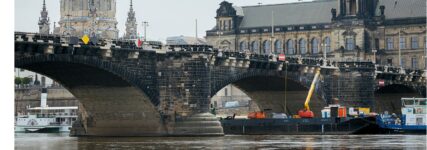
(239, 11)
(299, 13)
(319, 12)
(184, 40)
(395, 9)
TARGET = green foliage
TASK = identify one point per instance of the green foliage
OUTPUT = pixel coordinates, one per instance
(18, 80)
(26, 80)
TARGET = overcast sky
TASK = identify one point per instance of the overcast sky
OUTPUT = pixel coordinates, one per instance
(166, 17)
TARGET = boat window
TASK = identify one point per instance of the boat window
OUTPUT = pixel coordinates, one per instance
(422, 102)
(408, 102)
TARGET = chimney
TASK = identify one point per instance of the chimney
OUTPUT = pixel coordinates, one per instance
(43, 81)
(43, 98)
(382, 8)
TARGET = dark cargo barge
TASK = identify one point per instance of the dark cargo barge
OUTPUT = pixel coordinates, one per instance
(301, 126)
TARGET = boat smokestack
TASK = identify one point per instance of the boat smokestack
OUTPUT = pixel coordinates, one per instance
(43, 98)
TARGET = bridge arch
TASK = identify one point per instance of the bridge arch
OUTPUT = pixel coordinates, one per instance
(268, 91)
(388, 97)
(114, 101)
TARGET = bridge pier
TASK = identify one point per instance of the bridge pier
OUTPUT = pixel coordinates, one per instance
(184, 88)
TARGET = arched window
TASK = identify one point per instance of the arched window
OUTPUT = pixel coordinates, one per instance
(254, 46)
(290, 47)
(349, 43)
(266, 47)
(278, 47)
(327, 44)
(302, 46)
(314, 46)
(225, 45)
(243, 45)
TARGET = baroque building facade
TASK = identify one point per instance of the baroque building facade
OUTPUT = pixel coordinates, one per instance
(370, 30)
(96, 18)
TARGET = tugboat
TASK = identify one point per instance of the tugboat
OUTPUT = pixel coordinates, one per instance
(412, 121)
(46, 119)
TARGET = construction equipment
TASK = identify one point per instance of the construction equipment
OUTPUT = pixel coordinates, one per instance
(257, 115)
(306, 112)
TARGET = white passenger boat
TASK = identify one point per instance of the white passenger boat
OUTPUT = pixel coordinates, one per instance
(46, 119)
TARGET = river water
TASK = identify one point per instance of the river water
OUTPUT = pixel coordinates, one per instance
(61, 141)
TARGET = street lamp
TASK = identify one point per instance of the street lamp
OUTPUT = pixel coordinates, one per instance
(145, 25)
(323, 45)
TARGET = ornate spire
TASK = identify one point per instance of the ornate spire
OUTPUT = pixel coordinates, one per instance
(44, 20)
(131, 25)
(93, 15)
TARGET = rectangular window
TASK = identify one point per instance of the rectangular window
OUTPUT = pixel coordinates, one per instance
(414, 42)
(352, 7)
(349, 43)
(425, 42)
(390, 62)
(225, 92)
(109, 4)
(377, 44)
(389, 43)
(402, 43)
(414, 63)
(85, 5)
(403, 64)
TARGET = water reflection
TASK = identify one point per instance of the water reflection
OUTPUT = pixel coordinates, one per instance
(62, 141)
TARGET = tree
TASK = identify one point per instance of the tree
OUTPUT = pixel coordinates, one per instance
(18, 80)
(26, 80)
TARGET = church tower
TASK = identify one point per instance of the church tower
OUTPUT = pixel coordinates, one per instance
(44, 20)
(131, 25)
(88, 17)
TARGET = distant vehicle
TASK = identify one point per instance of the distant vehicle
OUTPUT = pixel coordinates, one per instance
(279, 116)
(231, 104)
(257, 115)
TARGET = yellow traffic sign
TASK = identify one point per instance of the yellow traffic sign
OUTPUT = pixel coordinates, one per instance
(85, 39)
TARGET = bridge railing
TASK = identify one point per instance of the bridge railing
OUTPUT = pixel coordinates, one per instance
(386, 69)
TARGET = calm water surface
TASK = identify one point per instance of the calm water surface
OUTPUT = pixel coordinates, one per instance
(64, 142)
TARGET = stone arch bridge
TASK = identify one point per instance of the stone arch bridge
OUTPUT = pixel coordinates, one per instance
(134, 92)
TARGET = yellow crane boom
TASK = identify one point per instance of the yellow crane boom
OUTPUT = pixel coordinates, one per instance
(311, 91)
